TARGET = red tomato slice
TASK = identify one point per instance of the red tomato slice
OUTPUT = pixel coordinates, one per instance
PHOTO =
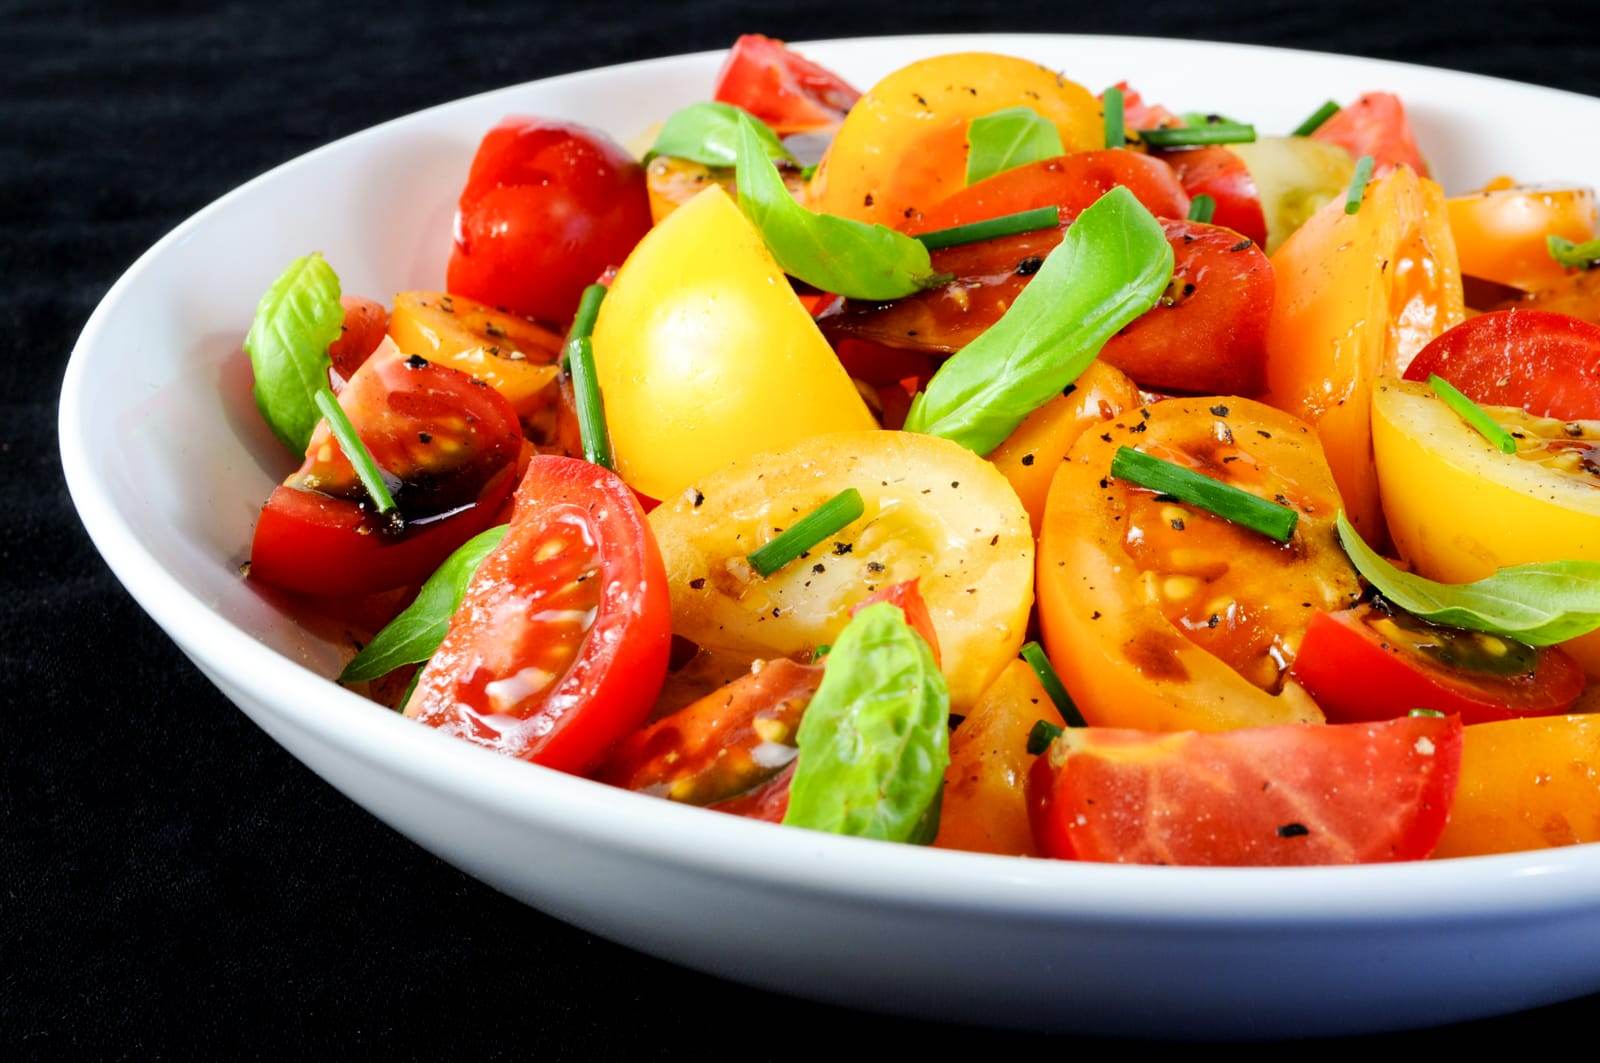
(1370, 664)
(1376, 125)
(1071, 182)
(768, 802)
(1545, 363)
(365, 324)
(1207, 335)
(781, 87)
(560, 645)
(548, 207)
(1345, 794)
(1222, 175)
(908, 599)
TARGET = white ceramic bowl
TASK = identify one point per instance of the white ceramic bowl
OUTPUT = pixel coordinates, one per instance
(168, 465)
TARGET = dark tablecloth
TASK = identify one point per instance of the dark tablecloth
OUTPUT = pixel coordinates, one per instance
(173, 882)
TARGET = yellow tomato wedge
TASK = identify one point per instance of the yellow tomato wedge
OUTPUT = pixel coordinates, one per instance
(705, 354)
(511, 354)
(985, 803)
(1161, 616)
(935, 512)
(904, 145)
(1295, 177)
(1358, 295)
(1500, 232)
(1458, 508)
(1526, 784)
(1030, 454)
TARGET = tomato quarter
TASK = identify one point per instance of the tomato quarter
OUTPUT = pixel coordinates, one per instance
(782, 87)
(1375, 124)
(1545, 363)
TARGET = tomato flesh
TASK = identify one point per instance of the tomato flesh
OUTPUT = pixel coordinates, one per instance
(1219, 173)
(1375, 124)
(365, 323)
(561, 642)
(1290, 795)
(1542, 362)
(782, 87)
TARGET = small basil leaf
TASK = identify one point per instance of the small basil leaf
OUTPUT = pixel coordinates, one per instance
(1539, 604)
(708, 133)
(1573, 255)
(874, 742)
(411, 637)
(288, 342)
(1111, 267)
(848, 258)
(1007, 139)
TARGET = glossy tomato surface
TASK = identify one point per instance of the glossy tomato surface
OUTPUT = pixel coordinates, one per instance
(1219, 173)
(364, 324)
(548, 206)
(782, 87)
(1375, 124)
(1542, 362)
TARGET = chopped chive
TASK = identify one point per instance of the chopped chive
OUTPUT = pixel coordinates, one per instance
(1041, 735)
(1573, 256)
(1186, 485)
(1314, 121)
(1193, 136)
(1034, 654)
(820, 652)
(1358, 185)
(1202, 208)
(832, 516)
(588, 310)
(1023, 221)
(354, 449)
(1425, 712)
(1116, 125)
(578, 357)
(1472, 413)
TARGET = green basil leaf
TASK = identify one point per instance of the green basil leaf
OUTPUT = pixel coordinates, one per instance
(288, 342)
(1539, 604)
(839, 255)
(1111, 267)
(875, 740)
(708, 133)
(1007, 139)
(411, 637)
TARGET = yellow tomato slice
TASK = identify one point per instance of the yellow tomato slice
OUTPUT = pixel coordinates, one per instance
(1500, 232)
(705, 354)
(935, 512)
(1358, 295)
(1161, 616)
(1526, 784)
(511, 354)
(904, 145)
(672, 182)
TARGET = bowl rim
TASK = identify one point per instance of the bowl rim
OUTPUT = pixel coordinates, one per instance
(1543, 883)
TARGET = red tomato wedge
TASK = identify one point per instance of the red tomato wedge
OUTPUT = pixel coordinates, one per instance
(1296, 794)
(1376, 125)
(782, 87)
(1542, 362)
(1222, 175)
(1207, 335)
(1071, 182)
(906, 598)
(1373, 664)
(561, 642)
(365, 323)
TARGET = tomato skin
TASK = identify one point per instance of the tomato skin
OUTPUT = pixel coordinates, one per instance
(905, 597)
(1340, 794)
(1219, 173)
(1071, 182)
(365, 323)
(1375, 124)
(610, 672)
(1545, 363)
(1356, 675)
(1501, 232)
(547, 207)
(782, 87)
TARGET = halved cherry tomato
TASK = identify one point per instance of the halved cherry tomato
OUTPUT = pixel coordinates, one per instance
(1375, 124)
(362, 331)
(1368, 663)
(1207, 335)
(1501, 231)
(546, 208)
(448, 443)
(782, 87)
(672, 182)
(1356, 793)
(1071, 182)
(511, 354)
(561, 642)
(1222, 175)
(1545, 363)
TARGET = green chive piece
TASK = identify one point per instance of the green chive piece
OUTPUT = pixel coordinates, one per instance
(578, 358)
(1202, 208)
(1043, 733)
(1034, 654)
(356, 451)
(1358, 185)
(1116, 125)
(1023, 221)
(820, 652)
(588, 311)
(1472, 413)
(1573, 256)
(1194, 136)
(827, 519)
(1186, 485)
(1314, 121)
(1425, 712)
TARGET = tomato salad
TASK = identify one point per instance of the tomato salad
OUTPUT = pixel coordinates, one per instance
(977, 461)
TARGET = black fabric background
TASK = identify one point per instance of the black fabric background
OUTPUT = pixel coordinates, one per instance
(171, 882)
